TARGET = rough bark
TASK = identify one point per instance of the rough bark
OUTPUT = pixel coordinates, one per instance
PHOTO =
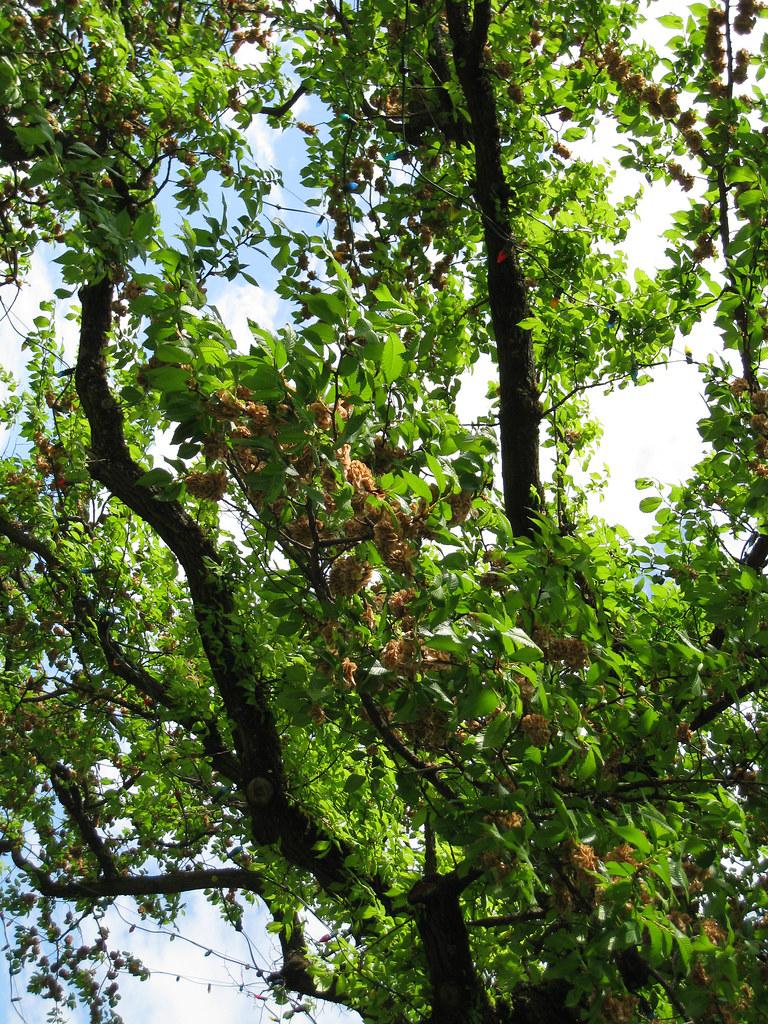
(234, 668)
(519, 414)
(458, 996)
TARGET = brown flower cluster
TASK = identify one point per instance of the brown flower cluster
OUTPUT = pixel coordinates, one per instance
(429, 731)
(360, 477)
(505, 819)
(562, 151)
(348, 576)
(348, 669)
(259, 417)
(660, 102)
(304, 532)
(676, 173)
(704, 249)
(759, 424)
(210, 486)
(395, 551)
(693, 140)
(696, 876)
(323, 415)
(714, 49)
(516, 92)
(536, 729)
(684, 734)
(385, 454)
(214, 449)
(226, 407)
(680, 920)
(391, 529)
(399, 602)
(746, 15)
(582, 857)
(434, 659)
(700, 975)
(461, 506)
(619, 1009)
(49, 455)
(623, 854)
(400, 656)
(741, 66)
(566, 649)
(713, 931)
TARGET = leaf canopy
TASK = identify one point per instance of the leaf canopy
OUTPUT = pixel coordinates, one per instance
(274, 626)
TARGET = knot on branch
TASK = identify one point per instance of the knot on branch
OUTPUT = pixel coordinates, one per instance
(424, 890)
(259, 791)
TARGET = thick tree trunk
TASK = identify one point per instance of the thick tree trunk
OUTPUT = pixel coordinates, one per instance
(458, 995)
(518, 394)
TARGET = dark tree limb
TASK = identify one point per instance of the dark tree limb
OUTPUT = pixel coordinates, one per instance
(519, 412)
(395, 746)
(295, 972)
(275, 819)
(86, 616)
(757, 556)
(458, 995)
(282, 108)
(728, 700)
(74, 802)
(22, 539)
(505, 920)
(168, 884)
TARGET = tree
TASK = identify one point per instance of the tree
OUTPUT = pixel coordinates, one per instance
(270, 628)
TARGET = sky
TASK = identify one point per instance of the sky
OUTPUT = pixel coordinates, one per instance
(648, 432)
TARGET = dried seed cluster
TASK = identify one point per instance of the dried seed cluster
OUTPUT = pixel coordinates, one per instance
(566, 649)
(746, 16)
(676, 173)
(349, 576)
(660, 102)
(536, 729)
(619, 1009)
(210, 486)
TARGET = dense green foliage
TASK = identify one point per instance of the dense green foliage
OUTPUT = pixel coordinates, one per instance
(269, 627)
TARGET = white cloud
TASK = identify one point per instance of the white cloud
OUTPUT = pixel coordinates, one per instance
(164, 999)
(260, 138)
(651, 432)
(240, 302)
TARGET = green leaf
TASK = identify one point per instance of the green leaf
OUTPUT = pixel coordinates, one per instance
(155, 478)
(328, 307)
(632, 835)
(392, 362)
(587, 766)
(482, 702)
(650, 504)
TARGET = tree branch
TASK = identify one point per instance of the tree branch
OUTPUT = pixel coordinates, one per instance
(86, 616)
(285, 106)
(275, 820)
(711, 712)
(168, 884)
(458, 994)
(295, 972)
(519, 412)
(71, 799)
(507, 919)
(397, 747)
